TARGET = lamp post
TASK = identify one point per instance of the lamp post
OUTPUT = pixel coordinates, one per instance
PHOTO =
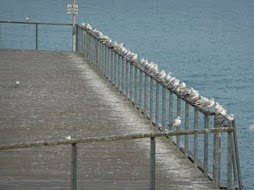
(74, 29)
(72, 9)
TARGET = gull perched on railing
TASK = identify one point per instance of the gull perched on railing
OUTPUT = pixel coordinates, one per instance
(153, 69)
(193, 96)
(161, 76)
(132, 56)
(176, 122)
(167, 79)
(173, 83)
(222, 111)
(180, 85)
(88, 26)
(204, 102)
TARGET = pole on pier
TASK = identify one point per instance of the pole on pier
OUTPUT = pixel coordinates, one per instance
(152, 163)
(74, 166)
(72, 9)
(74, 30)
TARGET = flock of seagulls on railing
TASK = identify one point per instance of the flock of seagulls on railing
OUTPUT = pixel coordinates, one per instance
(167, 80)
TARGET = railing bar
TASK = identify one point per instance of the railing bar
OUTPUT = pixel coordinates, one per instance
(186, 127)
(236, 151)
(131, 81)
(229, 161)
(195, 137)
(136, 87)
(206, 126)
(170, 108)
(178, 114)
(127, 78)
(74, 166)
(36, 36)
(119, 72)
(164, 109)
(157, 104)
(115, 138)
(105, 61)
(123, 75)
(151, 100)
(112, 66)
(152, 162)
(140, 90)
(216, 155)
(41, 23)
(145, 95)
(115, 65)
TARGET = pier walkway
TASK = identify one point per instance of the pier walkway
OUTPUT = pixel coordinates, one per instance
(60, 95)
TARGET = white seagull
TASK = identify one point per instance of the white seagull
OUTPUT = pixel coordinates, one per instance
(161, 75)
(17, 83)
(176, 122)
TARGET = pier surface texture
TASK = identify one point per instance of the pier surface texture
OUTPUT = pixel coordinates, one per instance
(59, 95)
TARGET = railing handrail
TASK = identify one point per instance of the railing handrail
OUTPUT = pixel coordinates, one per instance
(31, 22)
(116, 138)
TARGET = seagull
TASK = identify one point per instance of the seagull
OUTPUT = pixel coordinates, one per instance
(153, 69)
(205, 102)
(161, 75)
(68, 137)
(88, 26)
(220, 109)
(230, 117)
(183, 91)
(167, 79)
(173, 83)
(27, 19)
(176, 122)
(180, 85)
(193, 96)
(17, 83)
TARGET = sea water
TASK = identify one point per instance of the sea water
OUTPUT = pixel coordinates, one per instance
(209, 44)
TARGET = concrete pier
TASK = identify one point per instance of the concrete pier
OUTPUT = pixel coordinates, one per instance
(59, 95)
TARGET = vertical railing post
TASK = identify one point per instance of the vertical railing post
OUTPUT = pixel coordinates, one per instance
(140, 90)
(74, 159)
(186, 127)
(170, 108)
(119, 72)
(136, 87)
(112, 66)
(196, 137)
(216, 154)
(126, 78)
(152, 163)
(236, 157)
(145, 95)
(229, 161)
(151, 100)
(131, 81)
(163, 109)
(123, 74)
(36, 36)
(115, 70)
(157, 105)
(206, 124)
(178, 113)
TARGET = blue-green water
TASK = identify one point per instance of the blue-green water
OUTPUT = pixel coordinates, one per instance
(209, 44)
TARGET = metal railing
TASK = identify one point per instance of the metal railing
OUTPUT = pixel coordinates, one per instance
(161, 105)
(152, 136)
(36, 31)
